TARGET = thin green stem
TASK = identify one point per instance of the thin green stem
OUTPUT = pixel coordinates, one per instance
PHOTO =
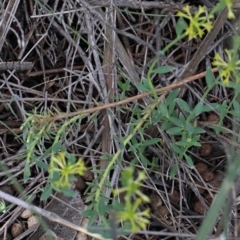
(125, 142)
(177, 39)
(63, 127)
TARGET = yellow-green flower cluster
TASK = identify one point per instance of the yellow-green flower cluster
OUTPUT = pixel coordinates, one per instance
(137, 219)
(228, 69)
(130, 189)
(65, 170)
(198, 22)
(229, 5)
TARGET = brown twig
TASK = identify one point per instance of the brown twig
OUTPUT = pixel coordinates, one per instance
(134, 98)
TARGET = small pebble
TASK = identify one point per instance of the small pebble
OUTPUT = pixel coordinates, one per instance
(16, 230)
(156, 200)
(201, 167)
(205, 149)
(32, 221)
(26, 214)
(174, 195)
(199, 208)
(208, 176)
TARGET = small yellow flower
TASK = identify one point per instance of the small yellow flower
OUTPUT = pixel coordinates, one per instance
(137, 219)
(227, 69)
(131, 214)
(229, 5)
(132, 186)
(198, 23)
(66, 170)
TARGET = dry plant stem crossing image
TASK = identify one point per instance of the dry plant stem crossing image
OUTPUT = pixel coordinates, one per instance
(119, 119)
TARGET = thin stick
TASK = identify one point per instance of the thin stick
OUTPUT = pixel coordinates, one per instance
(49, 215)
(18, 66)
(131, 99)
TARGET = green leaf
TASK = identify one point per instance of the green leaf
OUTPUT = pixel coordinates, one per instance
(174, 131)
(171, 109)
(173, 171)
(117, 205)
(198, 130)
(182, 118)
(181, 143)
(235, 114)
(189, 160)
(26, 173)
(216, 106)
(172, 96)
(92, 218)
(196, 144)
(156, 116)
(90, 198)
(189, 141)
(25, 134)
(176, 121)
(125, 86)
(121, 145)
(145, 162)
(176, 148)
(206, 108)
(55, 176)
(236, 105)
(182, 104)
(189, 128)
(163, 110)
(141, 87)
(165, 125)
(209, 77)
(181, 26)
(88, 213)
(151, 141)
(45, 154)
(68, 192)
(198, 109)
(163, 69)
(71, 158)
(46, 193)
(42, 165)
(57, 147)
(102, 207)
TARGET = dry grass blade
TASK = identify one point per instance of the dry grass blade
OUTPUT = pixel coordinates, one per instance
(136, 5)
(109, 70)
(18, 66)
(6, 19)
